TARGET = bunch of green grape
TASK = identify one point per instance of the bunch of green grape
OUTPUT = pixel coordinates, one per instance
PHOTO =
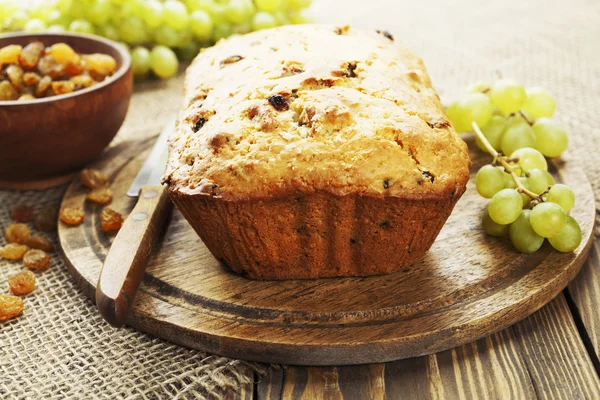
(161, 32)
(514, 126)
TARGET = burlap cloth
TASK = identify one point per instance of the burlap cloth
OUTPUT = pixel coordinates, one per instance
(61, 348)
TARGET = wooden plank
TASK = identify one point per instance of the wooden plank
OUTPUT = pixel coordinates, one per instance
(557, 361)
(584, 291)
(540, 357)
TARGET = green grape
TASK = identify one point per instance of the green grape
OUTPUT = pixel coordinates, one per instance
(133, 30)
(489, 181)
(517, 137)
(17, 20)
(537, 180)
(561, 195)
(479, 87)
(509, 183)
(56, 29)
(218, 14)
(508, 96)
(530, 158)
(175, 15)
(269, 5)
(539, 103)
(492, 228)
(99, 12)
(81, 26)
(505, 206)
(493, 132)
(548, 219)
(282, 18)
(76, 10)
(525, 182)
(152, 13)
(166, 36)
(301, 17)
(184, 37)
(201, 25)
(263, 20)
(569, 238)
(297, 4)
(189, 51)
(163, 62)
(522, 235)
(41, 10)
(136, 7)
(204, 5)
(221, 31)
(57, 18)
(239, 11)
(35, 25)
(109, 31)
(551, 138)
(140, 61)
(240, 29)
(549, 178)
(468, 108)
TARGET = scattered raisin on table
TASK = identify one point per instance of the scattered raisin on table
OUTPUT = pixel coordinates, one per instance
(72, 216)
(100, 196)
(13, 251)
(10, 306)
(40, 243)
(45, 220)
(93, 178)
(36, 259)
(22, 213)
(22, 283)
(17, 233)
(110, 220)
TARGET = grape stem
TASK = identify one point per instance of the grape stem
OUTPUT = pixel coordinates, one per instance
(502, 160)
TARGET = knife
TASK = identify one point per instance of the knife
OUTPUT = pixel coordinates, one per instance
(127, 257)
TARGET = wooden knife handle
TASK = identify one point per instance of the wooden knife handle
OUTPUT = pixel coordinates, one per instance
(126, 261)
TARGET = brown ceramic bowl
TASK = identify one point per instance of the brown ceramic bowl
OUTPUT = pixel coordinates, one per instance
(44, 139)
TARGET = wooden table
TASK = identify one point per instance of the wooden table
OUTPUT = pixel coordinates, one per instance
(551, 354)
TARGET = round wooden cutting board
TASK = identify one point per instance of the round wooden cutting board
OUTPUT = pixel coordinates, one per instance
(467, 286)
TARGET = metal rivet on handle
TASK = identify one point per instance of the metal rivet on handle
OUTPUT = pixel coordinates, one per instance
(140, 216)
(150, 194)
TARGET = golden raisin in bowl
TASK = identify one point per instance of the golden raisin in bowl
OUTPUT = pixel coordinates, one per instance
(49, 70)
(13, 251)
(110, 220)
(17, 233)
(36, 259)
(22, 283)
(10, 306)
(72, 216)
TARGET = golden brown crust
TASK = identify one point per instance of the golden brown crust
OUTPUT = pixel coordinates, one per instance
(303, 109)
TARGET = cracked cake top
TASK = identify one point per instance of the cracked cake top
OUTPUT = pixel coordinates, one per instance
(313, 108)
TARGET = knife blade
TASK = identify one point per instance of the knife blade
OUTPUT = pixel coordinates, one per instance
(128, 255)
(154, 165)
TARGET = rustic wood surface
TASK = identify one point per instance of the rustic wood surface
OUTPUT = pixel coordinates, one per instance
(551, 354)
(467, 286)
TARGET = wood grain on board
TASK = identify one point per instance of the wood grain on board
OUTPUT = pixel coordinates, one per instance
(541, 357)
(467, 286)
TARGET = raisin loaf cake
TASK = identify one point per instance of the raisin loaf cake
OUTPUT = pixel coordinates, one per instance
(314, 151)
